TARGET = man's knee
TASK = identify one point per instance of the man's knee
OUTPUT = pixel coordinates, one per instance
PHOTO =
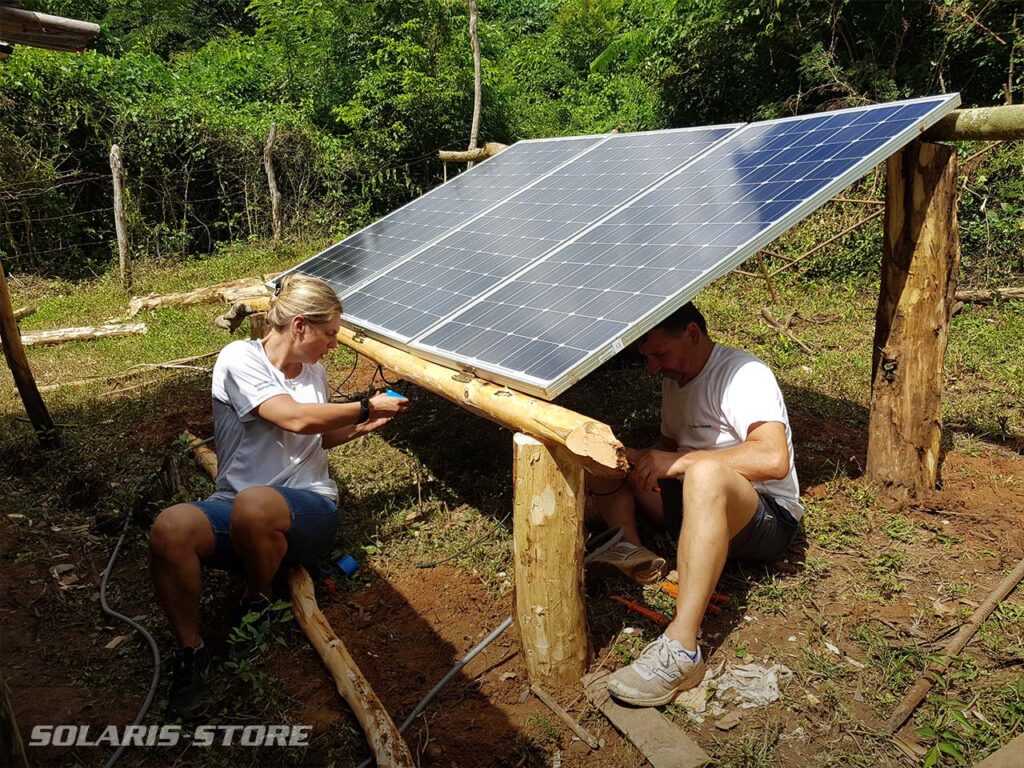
(708, 475)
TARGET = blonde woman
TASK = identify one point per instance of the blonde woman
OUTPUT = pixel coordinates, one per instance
(274, 500)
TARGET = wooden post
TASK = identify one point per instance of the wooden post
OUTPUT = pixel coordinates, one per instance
(919, 275)
(124, 258)
(474, 40)
(548, 561)
(10, 336)
(257, 325)
(275, 196)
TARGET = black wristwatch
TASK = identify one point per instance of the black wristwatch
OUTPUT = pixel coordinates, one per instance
(364, 410)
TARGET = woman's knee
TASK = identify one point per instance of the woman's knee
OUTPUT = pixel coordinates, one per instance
(177, 529)
(259, 508)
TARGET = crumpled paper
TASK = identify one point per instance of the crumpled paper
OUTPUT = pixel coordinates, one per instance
(745, 685)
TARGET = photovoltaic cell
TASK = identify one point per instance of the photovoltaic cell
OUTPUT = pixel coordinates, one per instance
(549, 324)
(374, 249)
(452, 272)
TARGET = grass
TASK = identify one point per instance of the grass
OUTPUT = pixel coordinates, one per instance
(440, 481)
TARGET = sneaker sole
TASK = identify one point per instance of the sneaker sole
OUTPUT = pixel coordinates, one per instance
(687, 682)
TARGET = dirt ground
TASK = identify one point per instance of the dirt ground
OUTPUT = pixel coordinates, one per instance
(406, 627)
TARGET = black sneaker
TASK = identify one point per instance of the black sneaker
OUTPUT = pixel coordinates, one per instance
(188, 689)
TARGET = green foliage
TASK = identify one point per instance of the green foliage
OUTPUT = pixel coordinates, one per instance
(365, 93)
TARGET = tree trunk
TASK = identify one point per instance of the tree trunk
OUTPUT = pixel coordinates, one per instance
(230, 291)
(14, 351)
(474, 40)
(123, 256)
(275, 196)
(548, 559)
(919, 274)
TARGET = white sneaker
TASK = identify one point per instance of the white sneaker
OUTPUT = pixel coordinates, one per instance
(636, 563)
(663, 671)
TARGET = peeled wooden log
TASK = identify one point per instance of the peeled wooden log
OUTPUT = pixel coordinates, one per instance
(984, 124)
(986, 296)
(490, 149)
(592, 443)
(386, 742)
(235, 315)
(547, 553)
(85, 333)
(230, 291)
(23, 312)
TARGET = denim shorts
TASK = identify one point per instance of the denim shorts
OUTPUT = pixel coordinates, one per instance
(311, 535)
(766, 537)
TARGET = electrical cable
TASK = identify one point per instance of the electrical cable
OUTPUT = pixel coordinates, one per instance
(600, 543)
(138, 628)
(151, 694)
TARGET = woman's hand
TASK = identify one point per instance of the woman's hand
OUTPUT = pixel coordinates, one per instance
(386, 406)
(372, 425)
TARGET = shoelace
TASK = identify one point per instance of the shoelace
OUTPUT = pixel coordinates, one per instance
(659, 650)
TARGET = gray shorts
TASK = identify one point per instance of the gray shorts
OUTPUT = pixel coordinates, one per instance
(766, 537)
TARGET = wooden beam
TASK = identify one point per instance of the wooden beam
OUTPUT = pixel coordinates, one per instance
(984, 124)
(987, 296)
(1010, 755)
(490, 149)
(919, 273)
(42, 30)
(547, 554)
(14, 352)
(592, 444)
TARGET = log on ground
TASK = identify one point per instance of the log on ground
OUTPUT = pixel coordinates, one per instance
(232, 290)
(84, 333)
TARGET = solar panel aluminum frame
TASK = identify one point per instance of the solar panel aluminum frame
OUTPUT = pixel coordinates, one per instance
(549, 389)
(389, 335)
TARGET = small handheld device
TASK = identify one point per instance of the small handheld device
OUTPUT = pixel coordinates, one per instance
(392, 393)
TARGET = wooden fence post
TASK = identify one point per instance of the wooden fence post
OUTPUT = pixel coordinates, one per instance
(275, 196)
(548, 558)
(123, 256)
(919, 274)
(474, 40)
(10, 336)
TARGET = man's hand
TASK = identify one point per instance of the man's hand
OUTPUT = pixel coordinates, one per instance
(650, 465)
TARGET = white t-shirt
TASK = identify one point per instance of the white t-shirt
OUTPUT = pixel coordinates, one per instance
(715, 411)
(252, 451)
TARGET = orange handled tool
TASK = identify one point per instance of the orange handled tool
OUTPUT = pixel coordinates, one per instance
(643, 610)
(714, 606)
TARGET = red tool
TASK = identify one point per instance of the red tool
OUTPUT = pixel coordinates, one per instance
(643, 610)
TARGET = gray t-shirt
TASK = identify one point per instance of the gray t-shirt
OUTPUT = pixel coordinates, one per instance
(716, 409)
(252, 451)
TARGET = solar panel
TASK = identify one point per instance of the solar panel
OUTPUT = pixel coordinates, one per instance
(367, 253)
(541, 263)
(449, 274)
(549, 325)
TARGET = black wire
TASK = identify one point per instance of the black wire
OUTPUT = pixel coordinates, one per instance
(337, 389)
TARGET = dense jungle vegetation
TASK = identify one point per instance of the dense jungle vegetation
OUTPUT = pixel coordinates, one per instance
(365, 92)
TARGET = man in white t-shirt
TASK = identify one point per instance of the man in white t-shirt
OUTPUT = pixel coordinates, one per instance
(721, 476)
